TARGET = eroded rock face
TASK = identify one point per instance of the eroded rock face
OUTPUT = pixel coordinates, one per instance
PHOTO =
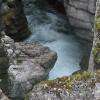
(81, 16)
(32, 64)
(28, 64)
(14, 19)
(25, 63)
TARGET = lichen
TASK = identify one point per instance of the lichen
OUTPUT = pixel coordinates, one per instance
(68, 82)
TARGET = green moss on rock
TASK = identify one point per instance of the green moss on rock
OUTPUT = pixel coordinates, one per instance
(98, 23)
(68, 82)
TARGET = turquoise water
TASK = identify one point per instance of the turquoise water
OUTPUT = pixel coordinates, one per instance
(53, 30)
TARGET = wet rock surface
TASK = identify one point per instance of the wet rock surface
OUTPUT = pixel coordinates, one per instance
(81, 15)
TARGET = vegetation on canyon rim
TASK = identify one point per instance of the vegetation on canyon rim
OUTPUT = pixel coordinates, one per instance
(68, 82)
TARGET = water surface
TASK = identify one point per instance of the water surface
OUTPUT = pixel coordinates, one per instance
(53, 30)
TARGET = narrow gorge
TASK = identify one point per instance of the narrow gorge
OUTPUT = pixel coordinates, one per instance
(53, 30)
(49, 49)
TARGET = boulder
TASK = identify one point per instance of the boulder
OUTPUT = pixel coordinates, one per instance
(29, 63)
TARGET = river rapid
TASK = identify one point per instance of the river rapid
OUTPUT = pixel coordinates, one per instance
(53, 30)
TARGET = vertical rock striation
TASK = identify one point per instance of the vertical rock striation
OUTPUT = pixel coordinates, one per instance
(81, 16)
(25, 63)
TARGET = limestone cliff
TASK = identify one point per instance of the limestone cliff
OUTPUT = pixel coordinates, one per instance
(81, 16)
(27, 64)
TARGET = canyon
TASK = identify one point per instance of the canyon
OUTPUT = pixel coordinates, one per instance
(68, 30)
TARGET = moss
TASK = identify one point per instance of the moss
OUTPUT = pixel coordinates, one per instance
(98, 23)
(68, 82)
(26, 97)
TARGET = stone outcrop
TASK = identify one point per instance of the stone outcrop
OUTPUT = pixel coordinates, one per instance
(25, 63)
(81, 16)
(13, 16)
(84, 86)
(28, 64)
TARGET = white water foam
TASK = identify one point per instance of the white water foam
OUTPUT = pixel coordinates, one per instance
(44, 28)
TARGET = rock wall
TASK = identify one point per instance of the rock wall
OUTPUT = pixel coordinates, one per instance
(14, 19)
(27, 64)
(81, 16)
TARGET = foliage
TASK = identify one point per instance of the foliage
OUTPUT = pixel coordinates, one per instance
(98, 23)
(68, 82)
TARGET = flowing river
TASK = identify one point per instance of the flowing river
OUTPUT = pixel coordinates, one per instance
(53, 30)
